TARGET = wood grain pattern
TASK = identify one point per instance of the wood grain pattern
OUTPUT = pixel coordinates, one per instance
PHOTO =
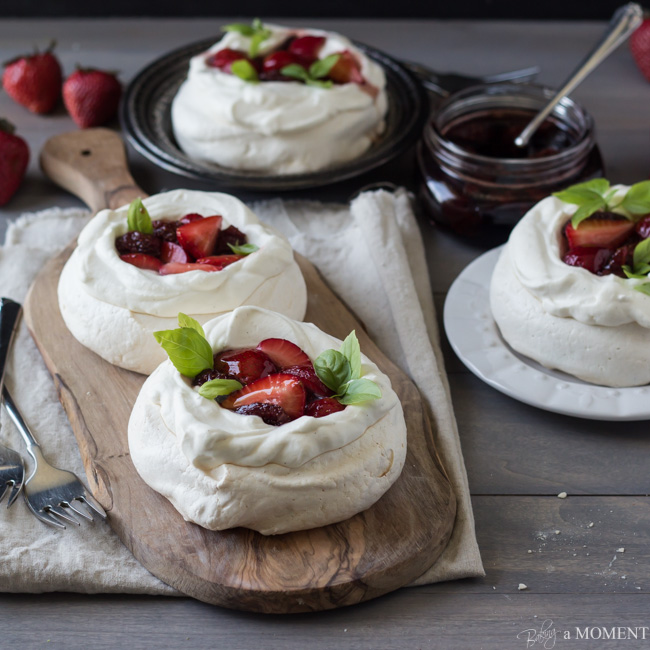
(376, 551)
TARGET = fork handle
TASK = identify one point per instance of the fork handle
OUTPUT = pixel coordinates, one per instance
(9, 316)
(33, 447)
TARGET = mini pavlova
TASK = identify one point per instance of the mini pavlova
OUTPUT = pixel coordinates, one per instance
(279, 100)
(571, 289)
(261, 421)
(202, 253)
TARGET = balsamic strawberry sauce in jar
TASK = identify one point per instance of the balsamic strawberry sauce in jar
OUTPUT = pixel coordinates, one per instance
(476, 182)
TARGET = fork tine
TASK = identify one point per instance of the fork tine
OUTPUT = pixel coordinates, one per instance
(15, 491)
(45, 517)
(90, 500)
(81, 511)
(59, 511)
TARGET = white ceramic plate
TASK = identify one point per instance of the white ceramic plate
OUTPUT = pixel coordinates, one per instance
(476, 340)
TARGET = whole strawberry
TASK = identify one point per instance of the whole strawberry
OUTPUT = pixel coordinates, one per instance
(640, 46)
(34, 80)
(14, 156)
(91, 96)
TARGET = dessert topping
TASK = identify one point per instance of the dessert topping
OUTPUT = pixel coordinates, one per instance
(275, 381)
(193, 243)
(609, 232)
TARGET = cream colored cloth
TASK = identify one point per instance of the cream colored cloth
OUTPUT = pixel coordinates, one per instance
(370, 253)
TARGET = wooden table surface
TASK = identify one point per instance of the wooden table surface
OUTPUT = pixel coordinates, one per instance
(518, 458)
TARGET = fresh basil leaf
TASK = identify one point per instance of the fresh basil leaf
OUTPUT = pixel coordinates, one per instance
(243, 249)
(641, 254)
(643, 288)
(321, 68)
(138, 218)
(351, 350)
(244, 70)
(187, 321)
(333, 369)
(256, 40)
(295, 71)
(637, 199)
(218, 387)
(576, 193)
(317, 83)
(587, 209)
(239, 28)
(360, 390)
(633, 274)
(187, 350)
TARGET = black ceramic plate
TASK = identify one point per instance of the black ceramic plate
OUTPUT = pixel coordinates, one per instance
(146, 118)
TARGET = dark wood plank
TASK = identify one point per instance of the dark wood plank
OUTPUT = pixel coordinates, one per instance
(420, 618)
(583, 557)
(513, 448)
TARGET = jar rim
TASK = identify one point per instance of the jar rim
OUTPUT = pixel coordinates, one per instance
(531, 96)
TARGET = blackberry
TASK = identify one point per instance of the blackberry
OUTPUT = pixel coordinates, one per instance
(138, 242)
(271, 413)
(166, 230)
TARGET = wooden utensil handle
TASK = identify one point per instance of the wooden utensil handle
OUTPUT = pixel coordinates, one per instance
(92, 165)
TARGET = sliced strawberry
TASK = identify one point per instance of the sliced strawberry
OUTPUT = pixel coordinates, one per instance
(587, 257)
(223, 59)
(347, 69)
(245, 365)
(643, 227)
(171, 252)
(280, 389)
(171, 268)
(603, 230)
(321, 407)
(278, 60)
(199, 237)
(142, 261)
(309, 379)
(189, 218)
(283, 353)
(220, 261)
(307, 47)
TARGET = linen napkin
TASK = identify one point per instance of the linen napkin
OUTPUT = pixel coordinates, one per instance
(372, 256)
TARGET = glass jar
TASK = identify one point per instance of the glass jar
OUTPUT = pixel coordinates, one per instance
(474, 180)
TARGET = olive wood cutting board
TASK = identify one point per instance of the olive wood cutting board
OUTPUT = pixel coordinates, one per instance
(370, 554)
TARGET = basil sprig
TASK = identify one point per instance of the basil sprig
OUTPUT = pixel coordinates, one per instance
(596, 194)
(255, 31)
(243, 249)
(138, 218)
(340, 371)
(640, 266)
(187, 347)
(313, 76)
(190, 352)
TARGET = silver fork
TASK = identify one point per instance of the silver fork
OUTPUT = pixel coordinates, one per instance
(51, 494)
(12, 470)
(446, 83)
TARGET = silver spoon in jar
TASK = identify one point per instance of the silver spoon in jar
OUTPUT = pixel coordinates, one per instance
(624, 21)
